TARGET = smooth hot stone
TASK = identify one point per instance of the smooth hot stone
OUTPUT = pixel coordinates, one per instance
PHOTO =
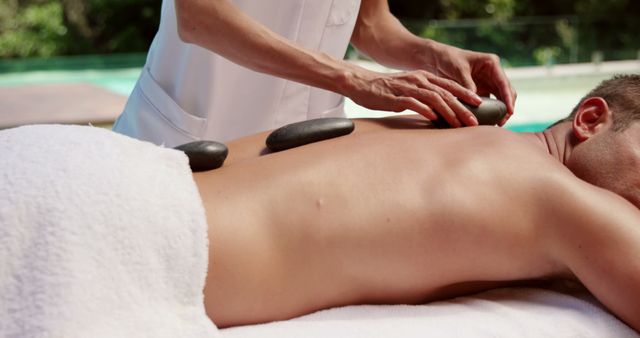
(204, 155)
(305, 132)
(490, 112)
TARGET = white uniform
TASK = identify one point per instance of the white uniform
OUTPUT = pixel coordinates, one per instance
(187, 93)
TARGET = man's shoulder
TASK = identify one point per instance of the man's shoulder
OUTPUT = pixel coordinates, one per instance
(517, 149)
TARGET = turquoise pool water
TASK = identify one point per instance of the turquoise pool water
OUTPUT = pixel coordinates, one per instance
(542, 98)
(120, 81)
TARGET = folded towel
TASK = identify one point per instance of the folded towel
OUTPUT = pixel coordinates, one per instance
(100, 236)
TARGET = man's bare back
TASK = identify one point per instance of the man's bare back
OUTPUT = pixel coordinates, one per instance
(386, 215)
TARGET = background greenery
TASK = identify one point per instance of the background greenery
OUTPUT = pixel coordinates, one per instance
(526, 32)
(522, 32)
(68, 27)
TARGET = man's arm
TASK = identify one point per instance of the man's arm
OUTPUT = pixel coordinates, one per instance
(598, 238)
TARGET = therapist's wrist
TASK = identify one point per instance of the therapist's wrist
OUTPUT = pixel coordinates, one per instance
(327, 73)
(425, 53)
(337, 75)
(347, 77)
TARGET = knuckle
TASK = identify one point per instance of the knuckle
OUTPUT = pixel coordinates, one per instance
(423, 73)
(449, 83)
(402, 101)
(439, 94)
(448, 97)
(459, 68)
(494, 58)
(416, 77)
(430, 94)
(416, 92)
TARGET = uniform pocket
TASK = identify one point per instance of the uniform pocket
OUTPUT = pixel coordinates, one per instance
(151, 115)
(342, 11)
(164, 105)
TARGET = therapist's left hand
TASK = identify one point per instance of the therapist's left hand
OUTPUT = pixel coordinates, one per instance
(479, 72)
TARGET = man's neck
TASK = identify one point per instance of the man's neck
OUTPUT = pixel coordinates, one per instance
(556, 141)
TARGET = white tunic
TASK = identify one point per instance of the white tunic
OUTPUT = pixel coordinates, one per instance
(187, 93)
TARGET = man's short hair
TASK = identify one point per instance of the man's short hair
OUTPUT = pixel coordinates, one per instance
(622, 93)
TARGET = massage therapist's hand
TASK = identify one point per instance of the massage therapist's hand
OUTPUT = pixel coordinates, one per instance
(479, 72)
(419, 91)
(383, 38)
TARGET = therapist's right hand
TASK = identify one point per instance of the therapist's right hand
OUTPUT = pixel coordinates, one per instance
(420, 91)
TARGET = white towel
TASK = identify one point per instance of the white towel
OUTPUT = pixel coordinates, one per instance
(513, 312)
(100, 236)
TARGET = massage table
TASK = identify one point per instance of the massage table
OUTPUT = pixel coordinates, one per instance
(102, 235)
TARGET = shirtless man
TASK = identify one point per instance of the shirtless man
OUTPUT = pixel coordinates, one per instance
(395, 214)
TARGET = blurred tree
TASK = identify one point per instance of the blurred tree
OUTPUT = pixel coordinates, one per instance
(609, 26)
(123, 25)
(45, 28)
(36, 29)
(528, 31)
(521, 31)
(416, 10)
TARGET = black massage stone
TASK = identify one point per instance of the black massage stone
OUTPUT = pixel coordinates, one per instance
(301, 133)
(490, 112)
(204, 155)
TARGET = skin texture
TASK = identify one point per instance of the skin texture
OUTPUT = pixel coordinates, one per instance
(436, 75)
(357, 220)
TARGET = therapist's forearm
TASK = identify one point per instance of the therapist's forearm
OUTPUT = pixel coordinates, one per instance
(381, 36)
(221, 27)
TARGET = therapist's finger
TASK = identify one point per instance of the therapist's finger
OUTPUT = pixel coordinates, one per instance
(403, 103)
(461, 113)
(514, 95)
(440, 99)
(435, 99)
(502, 88)
(466, 81)
(457, 90)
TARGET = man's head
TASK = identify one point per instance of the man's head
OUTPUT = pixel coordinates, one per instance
(622, 93)
(606, 138)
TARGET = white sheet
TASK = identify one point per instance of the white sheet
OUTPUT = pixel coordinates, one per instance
(515, 312)
(100, 236)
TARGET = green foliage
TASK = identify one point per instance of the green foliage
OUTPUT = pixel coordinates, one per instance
(123, 25)
(522, 32)
(518, 41)
(37, 30)
(610, 26)
(459, 9)
(61, 27)
(529, 32)
(546, 55)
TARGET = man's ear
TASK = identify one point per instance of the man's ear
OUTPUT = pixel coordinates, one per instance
(592, 117)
